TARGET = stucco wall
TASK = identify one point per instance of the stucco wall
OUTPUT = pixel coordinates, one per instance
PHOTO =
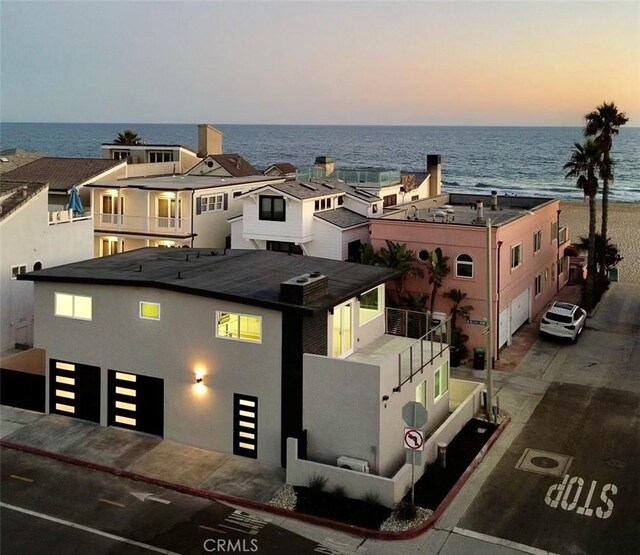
(26, 238)
(173, 349)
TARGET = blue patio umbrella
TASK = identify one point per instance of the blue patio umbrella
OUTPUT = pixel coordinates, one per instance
(75, 203)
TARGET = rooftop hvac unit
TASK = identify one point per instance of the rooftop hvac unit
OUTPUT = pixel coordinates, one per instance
(356, 465)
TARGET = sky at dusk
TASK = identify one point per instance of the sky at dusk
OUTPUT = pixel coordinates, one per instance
(400, 63)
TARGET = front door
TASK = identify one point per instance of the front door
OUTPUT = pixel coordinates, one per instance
(343, 330)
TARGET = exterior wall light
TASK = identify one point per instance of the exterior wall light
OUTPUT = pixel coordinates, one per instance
(198, 378)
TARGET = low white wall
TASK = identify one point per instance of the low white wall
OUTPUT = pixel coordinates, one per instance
(389, 490)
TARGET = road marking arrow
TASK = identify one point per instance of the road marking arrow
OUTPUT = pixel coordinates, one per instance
(149, 496)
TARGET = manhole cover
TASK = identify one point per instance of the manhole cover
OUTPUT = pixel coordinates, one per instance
(544, 462)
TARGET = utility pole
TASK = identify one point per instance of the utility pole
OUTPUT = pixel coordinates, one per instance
(489, 361)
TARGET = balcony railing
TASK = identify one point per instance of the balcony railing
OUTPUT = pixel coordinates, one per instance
(141, 224)
(382, 178)
(66, 216)
(433, 339)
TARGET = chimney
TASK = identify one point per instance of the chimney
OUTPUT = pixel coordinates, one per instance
(304, 289)
(326, 164)
(479, 213)
(209, 140)
(434, 168)
(494, 200)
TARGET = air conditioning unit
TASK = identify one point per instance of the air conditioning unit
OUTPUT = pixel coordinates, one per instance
(356, 465)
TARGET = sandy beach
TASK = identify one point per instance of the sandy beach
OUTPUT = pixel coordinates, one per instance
(624, 230)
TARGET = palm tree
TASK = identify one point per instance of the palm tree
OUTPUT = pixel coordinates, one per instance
(400, 258)
(602, 124)
(583, 166)
(128, 137)
(438, 269)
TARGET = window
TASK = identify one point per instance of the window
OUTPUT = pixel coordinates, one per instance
(149, 311)
(370, 304)
(554, 231)
(323, 204)
(17, 270)
(464, 266)
(441, 381)
(537, 241)
(340, 201)
(37, 266)
(121, 154)
(415, 197)
(239, 326)
(272, 208)
(73, 306)
(516, 255)
(421, 393)
(212, 203)
(538, 285)
(389, 200)
(160, 156)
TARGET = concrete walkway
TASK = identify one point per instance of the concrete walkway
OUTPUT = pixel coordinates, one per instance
(142, 454)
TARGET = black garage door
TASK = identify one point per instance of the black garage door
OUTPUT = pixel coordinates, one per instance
(74, 390)
(136, 402)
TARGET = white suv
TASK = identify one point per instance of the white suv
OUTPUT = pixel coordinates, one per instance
(563, 320)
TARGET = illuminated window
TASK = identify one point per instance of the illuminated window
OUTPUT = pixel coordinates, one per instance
(149, 311)
(239, 326)
(441, 381)
(370, 304)
(73, 306)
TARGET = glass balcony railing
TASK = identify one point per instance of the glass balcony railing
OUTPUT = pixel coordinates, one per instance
(382, 178)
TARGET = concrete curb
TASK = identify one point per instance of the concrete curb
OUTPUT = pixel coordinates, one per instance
(257, 505)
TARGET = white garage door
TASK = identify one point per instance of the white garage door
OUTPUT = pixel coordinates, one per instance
(503, 327)
(519, 310)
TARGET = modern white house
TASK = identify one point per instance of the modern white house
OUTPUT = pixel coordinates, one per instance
(270, 346)
(323, 211)
(32, 237)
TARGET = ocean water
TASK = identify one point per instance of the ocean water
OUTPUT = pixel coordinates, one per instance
(512, 160)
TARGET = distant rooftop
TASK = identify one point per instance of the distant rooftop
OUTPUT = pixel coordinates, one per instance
(181, 182)
(342, 217)
(14, 158)
(15, 194)
(250, 277)
(461, 209)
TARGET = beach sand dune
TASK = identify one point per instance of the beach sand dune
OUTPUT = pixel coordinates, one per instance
(624, 230)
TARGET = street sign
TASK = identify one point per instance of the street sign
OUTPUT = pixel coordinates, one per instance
(414, 414)
(477, 322)
(413, 439)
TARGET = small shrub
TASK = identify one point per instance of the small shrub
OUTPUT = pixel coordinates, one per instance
(340, 491)
(317, 482)
(371, 497)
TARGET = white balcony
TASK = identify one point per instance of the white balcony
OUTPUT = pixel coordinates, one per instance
(141, 224)
(67, 216)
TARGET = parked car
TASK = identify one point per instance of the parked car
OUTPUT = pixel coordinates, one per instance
(563, 320)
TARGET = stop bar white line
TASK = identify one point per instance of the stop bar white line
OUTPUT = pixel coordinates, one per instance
(87, 529)
(499, 541)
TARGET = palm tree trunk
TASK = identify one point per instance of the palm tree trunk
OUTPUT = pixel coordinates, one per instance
(591, 258)
(603, 232)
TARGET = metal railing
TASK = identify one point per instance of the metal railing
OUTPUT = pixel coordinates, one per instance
(433, 338)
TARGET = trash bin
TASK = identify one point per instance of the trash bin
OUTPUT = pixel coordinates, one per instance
(478, 359)
(442, 455)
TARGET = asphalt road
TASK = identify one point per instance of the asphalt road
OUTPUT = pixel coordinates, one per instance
(50, 508)
(580, 491)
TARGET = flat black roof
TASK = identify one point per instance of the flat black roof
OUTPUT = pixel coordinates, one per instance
(250, 277)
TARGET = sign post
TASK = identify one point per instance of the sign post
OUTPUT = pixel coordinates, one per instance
(415, 416)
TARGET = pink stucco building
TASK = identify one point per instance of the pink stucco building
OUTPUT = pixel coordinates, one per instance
(527, 244)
